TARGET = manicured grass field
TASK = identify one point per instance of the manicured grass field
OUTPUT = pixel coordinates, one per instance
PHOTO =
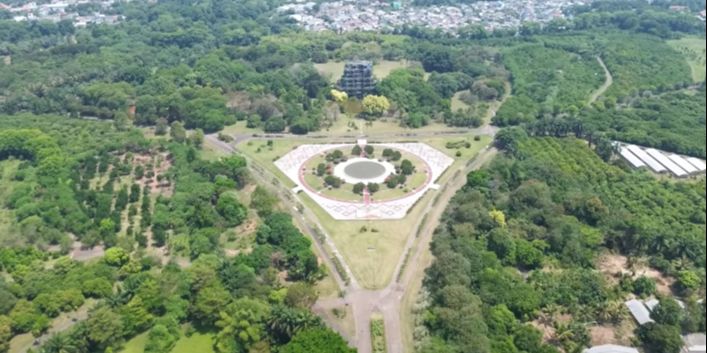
(265, 155)
(693, 48)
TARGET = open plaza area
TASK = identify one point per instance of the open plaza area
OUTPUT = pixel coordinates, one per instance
(362, 186)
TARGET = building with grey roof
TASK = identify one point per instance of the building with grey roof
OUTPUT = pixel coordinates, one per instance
(639, 311)
(610, 348)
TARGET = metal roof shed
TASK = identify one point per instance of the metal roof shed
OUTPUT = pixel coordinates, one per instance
(630, 157)
(639, 311)
(610, 348)
(683, 163)
(660, 157)
(698, 163)
(652, 163)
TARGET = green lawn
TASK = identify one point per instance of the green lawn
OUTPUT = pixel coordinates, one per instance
(265, 155)
(136, 344)
(693, 48)
(197, 343)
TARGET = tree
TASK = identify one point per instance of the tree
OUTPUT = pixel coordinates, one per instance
(5, 333)
(285, 322)
(241, 324)
(232, 211)
(369, 150)
(317, 340)
(116, 257)
(375, 106)
(177, 132)
(668, 312)
(104, 328)
(161, 126)
(301, 295)
(373, 188)
(209, 301)
(406, 167)
(358, 188)
(321, 169)
(197, 138)
(333, 181)
(263, 201)
(356, 150)
(644, 286)
(339, 96)
(658, 338)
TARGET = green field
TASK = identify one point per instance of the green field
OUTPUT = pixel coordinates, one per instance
(196, 343)
(693, 48)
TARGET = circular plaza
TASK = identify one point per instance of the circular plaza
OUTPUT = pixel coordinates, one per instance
(364, 181)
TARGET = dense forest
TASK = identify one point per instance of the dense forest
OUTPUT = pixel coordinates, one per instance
(522, 242)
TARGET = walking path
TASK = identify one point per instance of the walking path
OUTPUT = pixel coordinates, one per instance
(607, 82)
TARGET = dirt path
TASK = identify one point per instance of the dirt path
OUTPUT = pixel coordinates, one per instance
(607, 83)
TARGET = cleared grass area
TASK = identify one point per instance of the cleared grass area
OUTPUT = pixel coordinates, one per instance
(693, 48)
(466, 154)
(334, 69)
(371, 248)
(197, 342)
(265, 155)
(457, 103)
(136, 344)
(240, 128)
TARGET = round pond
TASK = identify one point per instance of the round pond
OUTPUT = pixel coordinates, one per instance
(363, 170)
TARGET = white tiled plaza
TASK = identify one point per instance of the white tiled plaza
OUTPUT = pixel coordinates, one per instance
(292, 163)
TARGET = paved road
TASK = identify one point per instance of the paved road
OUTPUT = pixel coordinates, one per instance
(607, 82)
(364, 302)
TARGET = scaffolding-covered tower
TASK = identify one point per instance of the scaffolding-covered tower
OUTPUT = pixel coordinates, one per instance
(357, 80)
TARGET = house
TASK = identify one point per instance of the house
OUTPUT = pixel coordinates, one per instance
(610, 348)
(639, 311)
(694, 343)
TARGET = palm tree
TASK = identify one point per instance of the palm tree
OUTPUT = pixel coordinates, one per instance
(60, 343)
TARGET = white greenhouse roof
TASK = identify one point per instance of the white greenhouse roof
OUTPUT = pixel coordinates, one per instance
(684, 164)
(652, 163)
(630, 157)
(660, 157)
(698, 163)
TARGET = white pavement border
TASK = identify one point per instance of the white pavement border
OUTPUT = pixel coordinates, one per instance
(292, 163)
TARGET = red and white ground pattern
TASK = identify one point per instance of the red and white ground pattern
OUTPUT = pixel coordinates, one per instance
(293, 165)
